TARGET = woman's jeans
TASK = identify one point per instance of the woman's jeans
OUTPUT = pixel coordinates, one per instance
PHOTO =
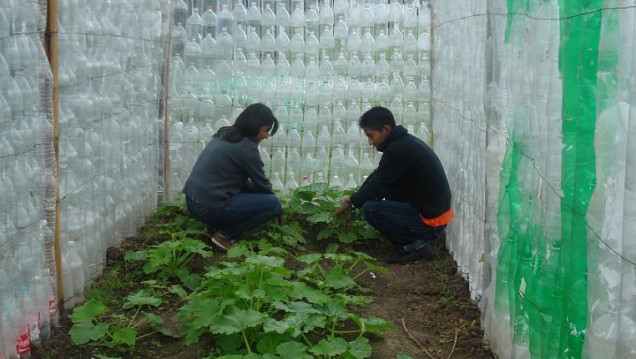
(238, 214)
(400, 223)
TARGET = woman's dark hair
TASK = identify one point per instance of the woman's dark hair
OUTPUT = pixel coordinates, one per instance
(249, 123)
(376, 118)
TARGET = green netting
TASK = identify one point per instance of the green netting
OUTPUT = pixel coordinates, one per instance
(541, 280)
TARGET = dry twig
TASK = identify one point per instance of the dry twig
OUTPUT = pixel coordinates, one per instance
(454, 344)
(415, 340)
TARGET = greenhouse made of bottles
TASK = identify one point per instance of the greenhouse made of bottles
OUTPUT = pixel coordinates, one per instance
(530, 106)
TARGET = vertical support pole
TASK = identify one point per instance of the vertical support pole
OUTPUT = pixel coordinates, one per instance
(167, 52)
(51, 47)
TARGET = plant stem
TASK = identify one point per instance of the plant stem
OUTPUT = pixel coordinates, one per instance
(134, 316)
(146, 335)
(247, 343)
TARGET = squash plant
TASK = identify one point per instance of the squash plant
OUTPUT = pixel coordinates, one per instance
(257, 308)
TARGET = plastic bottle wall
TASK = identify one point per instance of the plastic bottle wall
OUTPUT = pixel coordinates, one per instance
(110, 66)
(110, 63)
(27, 179)
(318, 64)
(543, 188)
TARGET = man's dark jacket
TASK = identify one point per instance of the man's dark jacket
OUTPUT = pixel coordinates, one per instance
(409, 171)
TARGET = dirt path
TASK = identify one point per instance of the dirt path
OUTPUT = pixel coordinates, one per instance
(434, 302)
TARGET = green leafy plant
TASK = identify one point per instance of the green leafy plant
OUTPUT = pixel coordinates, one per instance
(170, 258)
(315, 204)
(257, 306)
(94, 323)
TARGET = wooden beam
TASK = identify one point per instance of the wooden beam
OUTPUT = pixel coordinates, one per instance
(51, 47)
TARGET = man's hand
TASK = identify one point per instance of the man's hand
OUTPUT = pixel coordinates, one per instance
(344, 206)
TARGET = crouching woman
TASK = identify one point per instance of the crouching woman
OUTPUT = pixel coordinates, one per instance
(227, 187)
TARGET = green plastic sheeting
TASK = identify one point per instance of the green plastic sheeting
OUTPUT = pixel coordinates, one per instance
(542, 277)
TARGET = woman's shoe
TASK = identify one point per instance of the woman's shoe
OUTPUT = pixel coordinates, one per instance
(221, 241)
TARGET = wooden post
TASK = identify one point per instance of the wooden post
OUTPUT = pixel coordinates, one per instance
(166, 111)
(51, 46)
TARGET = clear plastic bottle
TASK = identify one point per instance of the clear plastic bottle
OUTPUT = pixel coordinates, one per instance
(253, 17)
(209, 21)
(282, 40)
(239, 12)
(179, 11)
(351, 183)
(73, 274)
(282, 15)
(297, 17)
(226, 20)
(27, 304)
(277, 184)
(194, 26)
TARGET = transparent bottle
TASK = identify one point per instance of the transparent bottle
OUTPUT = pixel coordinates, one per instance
(194, 25)
(209, 21)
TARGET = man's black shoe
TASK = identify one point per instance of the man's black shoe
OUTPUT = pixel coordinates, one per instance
(406, 256)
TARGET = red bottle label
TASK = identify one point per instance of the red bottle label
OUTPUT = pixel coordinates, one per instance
(23, 342)
(52, 307)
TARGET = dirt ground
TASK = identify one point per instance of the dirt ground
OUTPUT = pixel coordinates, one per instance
(428, 301)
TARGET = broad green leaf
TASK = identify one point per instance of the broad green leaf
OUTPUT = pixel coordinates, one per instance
(301, 307)
(100, 356)
(141, 298)
(230, 343)
(231, 356)
(292, 350)
(335, 346)
(82, 333)
(360, 348)
(340, 257)
(347, 237)
(136, 256)
(125, 335)
(376, 268)
(237, 251)
(199, 313)
(157, 323)
(192, 281)
(371, 324)
(337, 278)
(309, 258)
(178, 290)
(324, 233)
(268, 261)
(334, 309)
(236, 320)
(403, 356)
(354, 299)
(266, 343)
(332, 248)
(305, 194)
(312, 295)
(88, 311)
(314, 321)
(273, 325)
(320, 217)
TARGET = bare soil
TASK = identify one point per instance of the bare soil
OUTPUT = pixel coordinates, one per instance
(428, 301)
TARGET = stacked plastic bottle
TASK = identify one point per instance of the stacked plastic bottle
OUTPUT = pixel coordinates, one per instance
(543, 234)
(27, 183)
(319, 65)
(111, 60)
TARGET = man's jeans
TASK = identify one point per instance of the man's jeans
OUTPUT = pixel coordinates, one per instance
(400, 223)
(238, 214)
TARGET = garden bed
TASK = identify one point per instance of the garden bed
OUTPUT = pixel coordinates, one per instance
(318, 292)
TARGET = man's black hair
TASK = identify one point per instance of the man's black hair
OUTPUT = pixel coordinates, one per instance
(376, 118)
(249, 123)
